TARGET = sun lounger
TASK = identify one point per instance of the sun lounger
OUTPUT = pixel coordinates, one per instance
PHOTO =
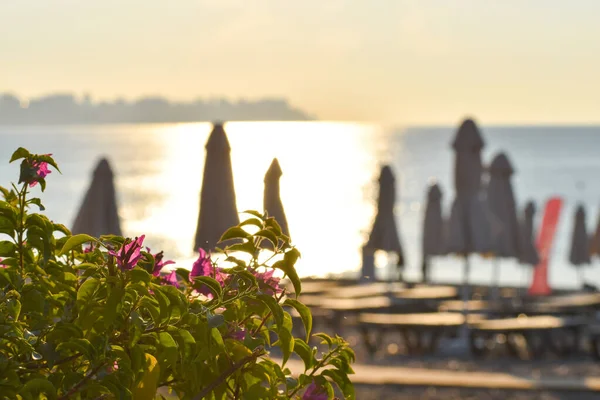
(420, 332)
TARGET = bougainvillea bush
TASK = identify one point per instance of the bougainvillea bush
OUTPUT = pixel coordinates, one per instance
(97, 318)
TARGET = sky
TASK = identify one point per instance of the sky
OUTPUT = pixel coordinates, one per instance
(385, 61)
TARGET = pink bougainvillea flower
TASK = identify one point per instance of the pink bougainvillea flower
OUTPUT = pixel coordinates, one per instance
(130, 253)
(41, 171)
(314, 392)
(203, 266)
(2, 265)
(171, 279)
(237, 332)
(112, 368)
(159, 263)
(267, 282)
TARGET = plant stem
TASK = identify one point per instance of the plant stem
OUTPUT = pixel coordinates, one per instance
(262, 323)
(82, 382)
(223, 377)
(319, 365)
(21, 226)
(45, 364)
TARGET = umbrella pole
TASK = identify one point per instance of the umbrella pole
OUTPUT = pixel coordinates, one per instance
(465, 297)
(581, 275)
(496, 279)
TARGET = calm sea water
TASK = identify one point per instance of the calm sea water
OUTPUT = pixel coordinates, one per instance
(329, 186)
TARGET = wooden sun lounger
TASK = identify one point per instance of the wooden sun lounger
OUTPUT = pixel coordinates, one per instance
(420, 332)
(542, 333)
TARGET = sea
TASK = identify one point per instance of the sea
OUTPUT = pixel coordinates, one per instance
(328, 188)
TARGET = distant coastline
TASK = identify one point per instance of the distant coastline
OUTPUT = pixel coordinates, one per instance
(66, 109)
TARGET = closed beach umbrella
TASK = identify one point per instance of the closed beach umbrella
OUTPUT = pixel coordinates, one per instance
(433, 229)
(218, 211)
(528, 253)
(579, 254)
(384, 234)
(504, 225)
(595, 241)
(98, 214)
(468, 228)
(272, 200)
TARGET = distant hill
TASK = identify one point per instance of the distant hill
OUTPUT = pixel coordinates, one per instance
(67, 109)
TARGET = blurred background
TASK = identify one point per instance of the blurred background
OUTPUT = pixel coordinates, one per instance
(383, 82)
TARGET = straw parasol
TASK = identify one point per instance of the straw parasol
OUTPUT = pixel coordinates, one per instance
(218, 210)
(433, 229)
(98, 214)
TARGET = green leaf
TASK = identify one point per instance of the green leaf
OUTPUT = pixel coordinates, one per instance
(152, 308)
(139, 275)
(183, 273)
(163, 303)
(77, 345)
(210, 283)
(342, 364)
(269, 235)
(326, 338)
(303, 350)
(305, 315)
(255, 213)
(37, 202)
(75, 241)
(215, 320)
(19, 153)
(146, 388)
(113, 304)
(291, 273)
(168, 347)
(87, 290)
(273, 224)
(7, 249)
(14, 308)
(234, 233)
(37, 388)
(252, 221)
(186, 342)
(273, 306)
(286, 339)
(342, 381)
(61, 228)
(246, 247)
(218, 339)
(49, 160)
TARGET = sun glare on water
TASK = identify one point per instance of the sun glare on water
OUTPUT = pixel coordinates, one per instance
(324, 168)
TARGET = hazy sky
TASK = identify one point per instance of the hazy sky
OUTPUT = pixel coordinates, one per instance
(392, 61)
